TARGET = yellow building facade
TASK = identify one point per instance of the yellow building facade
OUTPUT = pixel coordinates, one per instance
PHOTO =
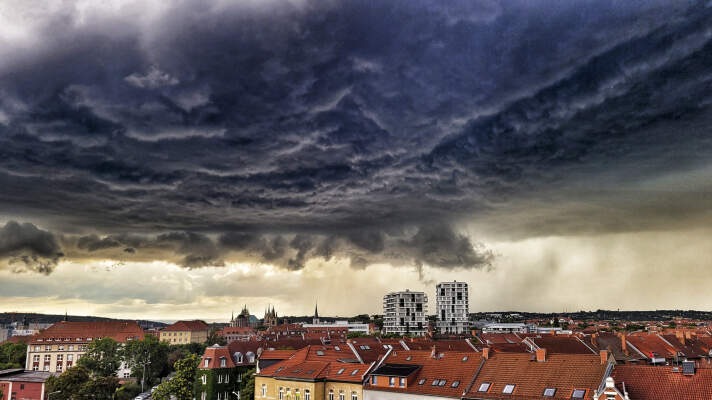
(269, 388)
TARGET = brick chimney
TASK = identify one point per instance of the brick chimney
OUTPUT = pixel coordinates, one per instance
(485, 353)
(594, 339)
(540, 355)
(680, 336)
(604, 356)
(624, 344)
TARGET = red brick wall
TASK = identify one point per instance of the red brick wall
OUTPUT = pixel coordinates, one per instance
(30, 391)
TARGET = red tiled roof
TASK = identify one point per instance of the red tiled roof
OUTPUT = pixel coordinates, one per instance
(214, 356)
(442, 345)
(192, 326)
(563, 372)
(236, 330)
(652, 346)
(450, 366)
(560, 344)
(79, 332)
(660, 383)
(347, 372)
(491, 338)
(276, 354)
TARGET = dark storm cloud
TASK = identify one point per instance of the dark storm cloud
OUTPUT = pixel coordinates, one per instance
(24, 247)
(285, 131)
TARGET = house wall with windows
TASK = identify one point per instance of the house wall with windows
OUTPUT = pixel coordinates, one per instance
(385, 395)
(267, 388)
(348, 389)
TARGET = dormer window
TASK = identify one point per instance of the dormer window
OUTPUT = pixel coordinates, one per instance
(206, 362)
(223, 362)
(392, 381)
(508, 389)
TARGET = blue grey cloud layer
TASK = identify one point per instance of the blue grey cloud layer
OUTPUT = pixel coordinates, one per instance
(310, 129)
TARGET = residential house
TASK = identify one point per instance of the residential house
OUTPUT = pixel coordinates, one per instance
(18, 384)
(184, 332)
(60, 346)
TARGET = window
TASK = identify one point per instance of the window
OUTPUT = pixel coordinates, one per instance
(70, 357)
(319, 353)
(205, 364)
(401, 382)
(202, 396)
(296, 394)
(578, 394)
(219, 396)
(455, 384)
(341, 371)
(374, 380)
(205, 380)
(60, 358)
(484, 387)
(549, 392)
(435, 382)
(223, 363)
(342, 396)
(281, 393)
(48, 348)
(442, 382)
(61, 347)
(354, 396)
(227, 378)
(465, 358)
(508, 389)
(59, 367)
(36, 358)
(331, 394)
(337, 348)
(46, 367)
(35, 367)
(392, 381)
(408, 358)
(219, 378)
(47, 358)
(307, 395)
(71, 347)
(354, 372)
(264, 390)
(422, 381)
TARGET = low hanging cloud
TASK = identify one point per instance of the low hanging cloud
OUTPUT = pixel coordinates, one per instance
(25, 247)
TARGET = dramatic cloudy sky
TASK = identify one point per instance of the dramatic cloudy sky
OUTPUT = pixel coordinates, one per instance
(179, 159)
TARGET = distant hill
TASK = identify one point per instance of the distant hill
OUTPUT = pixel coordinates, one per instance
(9, 317)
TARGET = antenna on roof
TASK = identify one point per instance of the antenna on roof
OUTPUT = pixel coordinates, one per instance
(66, 316)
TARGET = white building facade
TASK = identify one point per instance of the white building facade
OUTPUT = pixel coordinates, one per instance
(453, 307)
(405, 313)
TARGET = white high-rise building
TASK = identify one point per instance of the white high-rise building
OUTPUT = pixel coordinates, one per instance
(452, 307)
(405, 313)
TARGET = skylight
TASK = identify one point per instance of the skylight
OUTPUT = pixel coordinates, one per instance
(508, 389)
(337, 348)
(279, 369)
(578, 394)
(442, 382)
(311, 371)
(465, 358)
(408, 358)
(319, 353)
(455, 384)
(422, 381)
(354, 372)
(435, 382)
(339, 372)
(549, 392)
(484, 387)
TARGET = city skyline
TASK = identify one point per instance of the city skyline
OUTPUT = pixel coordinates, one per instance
(173, 160)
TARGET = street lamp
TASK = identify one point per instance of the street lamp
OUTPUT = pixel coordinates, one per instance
(50, 394)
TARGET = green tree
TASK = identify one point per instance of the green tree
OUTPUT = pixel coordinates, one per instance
(103, 357)
(67, 384)
(352, 335)
(12, 355)
(247, 387)
(101, 387)
(127, 392)
(150, 353)
(214, 338)
(181, 385)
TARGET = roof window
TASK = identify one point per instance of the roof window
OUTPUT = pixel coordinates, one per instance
(578, 393)
(455, 384)
(465, 358)
(484, 386)
(549, 392)
(442, 382)
(354, 372)
(339, 372)
(508, 389)
(422, 381)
